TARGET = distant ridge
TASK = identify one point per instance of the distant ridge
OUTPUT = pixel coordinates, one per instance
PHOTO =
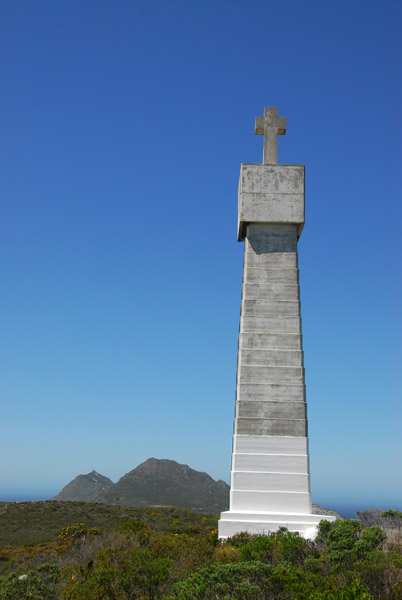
(319, 510)
(155, 482)
(85, 487)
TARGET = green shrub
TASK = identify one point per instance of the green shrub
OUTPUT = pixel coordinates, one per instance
(231, 581)
(37, 584)
(392, 513)
(131, 573)
(258, 581)
(133, 526)
(276, 548)
(347, 541)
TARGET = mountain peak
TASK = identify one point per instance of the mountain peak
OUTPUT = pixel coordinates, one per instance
(85, 487)
(156, 481)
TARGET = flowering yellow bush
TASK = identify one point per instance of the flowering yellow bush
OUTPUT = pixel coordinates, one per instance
(74, 532)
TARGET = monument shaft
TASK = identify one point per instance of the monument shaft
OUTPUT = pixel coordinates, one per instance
(270, 485)
(270, 462)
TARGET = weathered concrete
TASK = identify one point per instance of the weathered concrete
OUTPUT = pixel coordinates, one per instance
(270, 126)
(264, 374)
(270, 325)
(283, 341)
(281, 243)
(269, 409)
(270, 484)
(262, 357)
(260, 275)
(272, 391)
(271, 194)
(259, 426)
(271, 291)
(265, 308)
(272, 260)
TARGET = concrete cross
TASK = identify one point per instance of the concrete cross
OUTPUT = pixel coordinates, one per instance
(270, 126)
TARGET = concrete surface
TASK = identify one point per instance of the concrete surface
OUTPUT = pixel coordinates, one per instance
(270, 126)
(271, 194)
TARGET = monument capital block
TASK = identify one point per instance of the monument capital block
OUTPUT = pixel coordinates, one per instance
(270, 194)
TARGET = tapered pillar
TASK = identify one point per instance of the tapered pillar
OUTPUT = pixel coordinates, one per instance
(270, 481)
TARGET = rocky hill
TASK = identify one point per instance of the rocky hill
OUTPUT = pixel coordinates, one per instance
(319, 510)
(85, 487)
(156, 482)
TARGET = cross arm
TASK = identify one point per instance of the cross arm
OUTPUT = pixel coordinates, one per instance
(281, 124)
(259, 125)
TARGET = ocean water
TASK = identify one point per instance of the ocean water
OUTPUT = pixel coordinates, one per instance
(348, 510)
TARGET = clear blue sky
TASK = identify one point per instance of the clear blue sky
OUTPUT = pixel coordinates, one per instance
(124, 124)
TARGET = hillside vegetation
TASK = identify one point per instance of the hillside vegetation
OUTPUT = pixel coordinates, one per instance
(30, 523)
(87, 551)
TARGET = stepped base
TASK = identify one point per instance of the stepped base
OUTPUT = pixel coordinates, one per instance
(306, 525)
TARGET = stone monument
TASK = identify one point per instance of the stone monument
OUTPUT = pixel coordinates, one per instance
(270, 481)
